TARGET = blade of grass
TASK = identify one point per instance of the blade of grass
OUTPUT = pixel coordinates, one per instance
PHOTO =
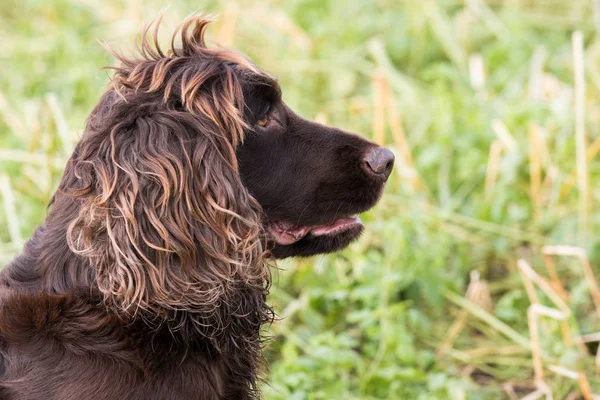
(488, 318)
(379, 100)
(62, 128)
(582, 170)
(444, 32)
(8, 200)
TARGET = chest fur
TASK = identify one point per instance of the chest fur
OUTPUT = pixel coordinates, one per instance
(63, 348)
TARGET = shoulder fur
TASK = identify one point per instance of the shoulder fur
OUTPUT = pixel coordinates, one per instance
(39, 322)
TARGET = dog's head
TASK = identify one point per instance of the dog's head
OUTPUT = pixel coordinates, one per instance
(311, 180)
(191, 167)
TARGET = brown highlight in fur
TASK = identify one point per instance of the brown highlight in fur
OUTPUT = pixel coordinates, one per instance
(160, 187)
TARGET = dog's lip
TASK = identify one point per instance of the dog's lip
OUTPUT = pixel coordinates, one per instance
(286, 233)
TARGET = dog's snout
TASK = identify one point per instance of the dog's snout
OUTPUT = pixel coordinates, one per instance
(378, 161)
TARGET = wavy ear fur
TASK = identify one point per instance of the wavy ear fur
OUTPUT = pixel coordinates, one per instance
(164, 219)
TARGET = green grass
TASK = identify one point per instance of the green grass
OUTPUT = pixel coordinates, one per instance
(441, 76)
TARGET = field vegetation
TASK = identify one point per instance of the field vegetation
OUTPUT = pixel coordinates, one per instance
(475, 278)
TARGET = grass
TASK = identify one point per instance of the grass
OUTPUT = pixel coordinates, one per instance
(492, 110)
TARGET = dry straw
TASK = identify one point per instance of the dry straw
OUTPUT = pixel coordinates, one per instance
(555, 291)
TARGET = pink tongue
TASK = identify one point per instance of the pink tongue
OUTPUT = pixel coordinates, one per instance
(286, 233)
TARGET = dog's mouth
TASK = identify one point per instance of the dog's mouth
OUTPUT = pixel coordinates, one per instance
(286, 233)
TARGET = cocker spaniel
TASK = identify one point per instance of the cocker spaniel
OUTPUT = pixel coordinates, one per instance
(149, 277)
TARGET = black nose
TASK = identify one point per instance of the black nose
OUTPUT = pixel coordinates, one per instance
(378, 162)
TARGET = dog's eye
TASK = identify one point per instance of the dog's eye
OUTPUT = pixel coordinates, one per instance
(263, 121)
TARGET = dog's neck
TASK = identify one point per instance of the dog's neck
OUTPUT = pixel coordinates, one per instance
(47, 265)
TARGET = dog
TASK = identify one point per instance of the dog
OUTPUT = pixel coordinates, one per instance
(149, 277)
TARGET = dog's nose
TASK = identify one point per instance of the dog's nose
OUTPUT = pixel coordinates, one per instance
(378, 162)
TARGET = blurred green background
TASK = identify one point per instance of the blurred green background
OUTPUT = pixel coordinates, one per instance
(492, 110)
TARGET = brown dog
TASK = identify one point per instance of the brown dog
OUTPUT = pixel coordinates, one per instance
(149, 277)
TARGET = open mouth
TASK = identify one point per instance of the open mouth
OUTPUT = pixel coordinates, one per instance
(286, 233)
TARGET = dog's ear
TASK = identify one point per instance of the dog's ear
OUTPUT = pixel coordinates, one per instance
(163, 215)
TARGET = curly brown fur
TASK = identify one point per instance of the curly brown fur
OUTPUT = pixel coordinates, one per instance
(150, 275)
